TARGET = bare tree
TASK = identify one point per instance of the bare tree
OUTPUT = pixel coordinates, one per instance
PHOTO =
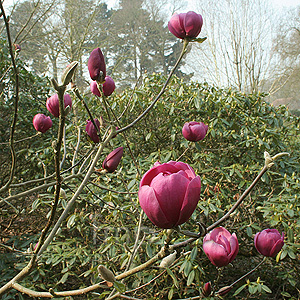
(238, 48)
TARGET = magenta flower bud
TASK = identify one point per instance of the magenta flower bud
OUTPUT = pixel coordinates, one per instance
(108, 86)
(185, 25)
(269, 242)
(52, 104)
(96, 65)
(194, 131)
(42, 123)
(92, 131)
(112, 160)
(169, 193)
(220, 246)
(94, 88)
(206, 291)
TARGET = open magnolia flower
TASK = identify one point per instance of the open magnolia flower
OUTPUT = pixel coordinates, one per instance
(220, 246)
(169, 193)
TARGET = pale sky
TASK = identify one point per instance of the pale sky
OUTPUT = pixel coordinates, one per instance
(276, 3)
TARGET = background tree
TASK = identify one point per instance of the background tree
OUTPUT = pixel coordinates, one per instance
(286, 72)
(237, 52)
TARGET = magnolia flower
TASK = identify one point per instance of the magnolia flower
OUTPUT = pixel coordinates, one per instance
(194, 131)
(112, 160)
(52, 104)
(96, 65)
(185, 25)
(42, 123)
(269, 242)
(220, 246)
(169, 193)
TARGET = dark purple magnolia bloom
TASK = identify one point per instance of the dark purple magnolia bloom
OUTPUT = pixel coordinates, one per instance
(96, 65)
(169, 193)
(41, 122)
(185, 25)
(112, 160)
(52, 104)
(108, 86)
(194, 131)
(92, 131)
(220, 246)
(269, 242)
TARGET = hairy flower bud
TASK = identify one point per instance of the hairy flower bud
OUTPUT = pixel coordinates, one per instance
(108, 86)
(96, 65)
(194, 131)
(185, 25)
(69, 72)
(224, 290)
(112, 160)
(92, 131)
(52, 104)
(269, 242)
(106, 274)
(42, 123)
(169, 193)
(168, 260)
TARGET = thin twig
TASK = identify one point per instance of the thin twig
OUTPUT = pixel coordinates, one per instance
(185, 43)
(16, 103)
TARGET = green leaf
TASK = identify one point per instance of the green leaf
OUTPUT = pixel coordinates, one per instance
(191, 277)
(199, 40)
(64, 278)
(170, 294)
(239, 289)
(175, 281)
(71, 221)
(119, 286)
(266, 289)
(249, 231)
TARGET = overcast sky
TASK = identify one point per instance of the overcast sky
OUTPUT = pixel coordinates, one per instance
(277, 3)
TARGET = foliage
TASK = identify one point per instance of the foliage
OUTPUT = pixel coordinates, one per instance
(102, 227)
(33, 92)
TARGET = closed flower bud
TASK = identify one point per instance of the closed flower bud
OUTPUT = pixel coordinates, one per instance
(185, 25)
(194, 131)
(94, 88)
(169, 193)
(96, 65)
(112, 160)
(224, 290)
(92, 131)
(269, 242)
(168, 260)
(52, 104)
(206, 291)
(108, 86)
(220, 246)
(106, 274)
(42, 123)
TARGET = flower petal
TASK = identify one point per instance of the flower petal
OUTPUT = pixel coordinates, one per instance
(151, 207)
(190, 201)
(216, 253)
(170, 192)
